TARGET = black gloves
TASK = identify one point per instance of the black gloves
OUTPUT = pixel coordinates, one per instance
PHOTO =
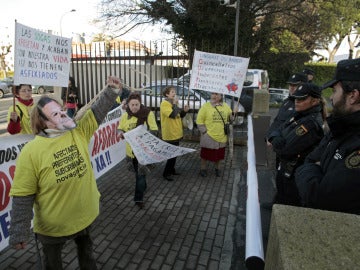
(278, 142)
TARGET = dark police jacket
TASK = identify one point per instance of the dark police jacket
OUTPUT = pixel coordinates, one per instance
(334, 184)
(286, 111)
(302, 134)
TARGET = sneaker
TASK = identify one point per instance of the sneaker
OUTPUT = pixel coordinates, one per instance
(203, 173)
(217, 172)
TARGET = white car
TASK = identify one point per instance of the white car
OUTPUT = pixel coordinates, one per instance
(255, 79)
(277, 95)
(152, 97)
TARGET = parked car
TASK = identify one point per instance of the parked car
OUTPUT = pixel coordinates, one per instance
(255, 79)
(9, 81)
(152, 97)
(42, 89)
(4, 89)
(277, 95)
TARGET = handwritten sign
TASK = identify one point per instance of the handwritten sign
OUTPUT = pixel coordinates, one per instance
(41, 58)
(149, 149)
(218, 73)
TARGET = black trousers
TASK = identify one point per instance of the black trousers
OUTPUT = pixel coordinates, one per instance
(170, 163)
(287, 191)
(52, 248)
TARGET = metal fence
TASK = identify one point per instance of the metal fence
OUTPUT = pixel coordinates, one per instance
(152, 65)
(137, 63)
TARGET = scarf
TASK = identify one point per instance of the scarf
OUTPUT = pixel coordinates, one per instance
(26, 102)
(141, 114)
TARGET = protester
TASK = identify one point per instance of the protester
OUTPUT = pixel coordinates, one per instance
(309, 74)
(171, 126)
(296, 138)
(54, 177)
(18, 118)
(329, 180)
(137, 114)
(70, 97)
(121, 99)
(212, 120)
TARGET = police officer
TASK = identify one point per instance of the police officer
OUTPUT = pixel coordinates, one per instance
(296, 138)
(286, 110)
(309, 73)
(332, 181)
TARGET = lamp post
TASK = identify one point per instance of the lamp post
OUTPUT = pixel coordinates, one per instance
(62, 16)
(237, 27)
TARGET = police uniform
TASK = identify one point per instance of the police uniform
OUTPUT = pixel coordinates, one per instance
(287, 109)
(292, 142)
(335, 184)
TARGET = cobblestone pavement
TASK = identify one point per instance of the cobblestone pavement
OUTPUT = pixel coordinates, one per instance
(190, 223)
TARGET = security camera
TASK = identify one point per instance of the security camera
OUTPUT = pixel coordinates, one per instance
(224, 2)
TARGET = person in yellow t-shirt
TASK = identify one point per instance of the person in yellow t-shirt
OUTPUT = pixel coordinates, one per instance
(212, 117)
(137, 114)
(171, 126)
(18, 118)
(54, 177)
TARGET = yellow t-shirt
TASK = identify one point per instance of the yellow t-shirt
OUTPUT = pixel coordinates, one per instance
(24, 114)
(210, 117)
(171, 128)
(58, 170)
(126, 124)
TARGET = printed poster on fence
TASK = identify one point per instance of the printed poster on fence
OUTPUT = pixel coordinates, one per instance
(218, 73)
(41, 58)
(149, 149)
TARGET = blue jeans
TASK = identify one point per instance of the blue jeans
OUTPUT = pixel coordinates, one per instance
(140, 185)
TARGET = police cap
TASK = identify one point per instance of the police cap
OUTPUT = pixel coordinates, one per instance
(346, 70)
(307, 89)
(297, 78)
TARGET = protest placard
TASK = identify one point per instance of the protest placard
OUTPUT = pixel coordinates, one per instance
(218, 73)
(149, 149)
(41, 58)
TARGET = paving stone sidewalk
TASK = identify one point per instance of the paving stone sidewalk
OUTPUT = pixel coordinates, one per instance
(189, 223)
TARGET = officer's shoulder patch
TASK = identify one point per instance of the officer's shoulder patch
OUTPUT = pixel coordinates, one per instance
(352, 161)
(301, 130)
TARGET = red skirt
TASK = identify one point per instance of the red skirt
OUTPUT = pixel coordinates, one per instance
(212, 154)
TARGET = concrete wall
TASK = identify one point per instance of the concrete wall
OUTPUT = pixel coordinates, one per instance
(302, 238)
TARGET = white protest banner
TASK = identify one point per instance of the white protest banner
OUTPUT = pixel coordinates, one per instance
(10, 147)
(149, 149)
(41, 58)
(106, 150)
(218, 73)
(106, 147)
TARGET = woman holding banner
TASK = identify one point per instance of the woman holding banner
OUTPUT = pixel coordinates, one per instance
(137, 114)
(19, 113)
(54, 177)
(212, 122)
